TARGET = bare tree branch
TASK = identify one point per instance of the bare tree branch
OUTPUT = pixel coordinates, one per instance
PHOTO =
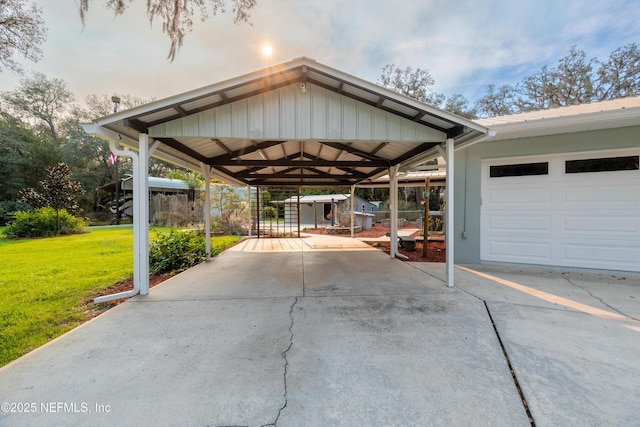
(22, 31)
(176, 15)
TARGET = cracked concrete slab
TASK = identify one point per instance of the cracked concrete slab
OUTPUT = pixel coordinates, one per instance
(397, 360)
(159, 363)
(310, 332)
(574, 369)
(573, 345)
(352, 274)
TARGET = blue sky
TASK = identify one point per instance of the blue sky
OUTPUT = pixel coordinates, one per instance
(465, 44)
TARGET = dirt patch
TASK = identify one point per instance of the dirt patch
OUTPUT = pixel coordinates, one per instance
(436, 251)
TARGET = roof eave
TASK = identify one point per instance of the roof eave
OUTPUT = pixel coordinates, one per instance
(563, 124)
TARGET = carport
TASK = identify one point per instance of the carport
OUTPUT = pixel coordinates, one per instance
(298, 123)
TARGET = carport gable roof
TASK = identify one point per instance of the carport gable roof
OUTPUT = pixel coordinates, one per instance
(297, 123)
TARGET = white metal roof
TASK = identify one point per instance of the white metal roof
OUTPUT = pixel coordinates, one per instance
(615, 113)
(157, 184)
(323, 198)
(297, 123)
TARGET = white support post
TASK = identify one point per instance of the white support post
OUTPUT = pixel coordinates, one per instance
(449, 237)
(249, 208)
(393, 201)
(206, 209)
(353, 196)
(141, 221)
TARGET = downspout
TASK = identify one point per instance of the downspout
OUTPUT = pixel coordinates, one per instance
(113, 146)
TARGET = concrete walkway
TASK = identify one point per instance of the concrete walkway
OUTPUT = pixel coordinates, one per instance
(327, 331)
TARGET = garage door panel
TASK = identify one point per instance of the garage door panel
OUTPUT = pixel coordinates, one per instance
(515, 196)
(600, 225)
(512, 251)
(601, 255)
(520, 224)
(603, 195)
(589, 220)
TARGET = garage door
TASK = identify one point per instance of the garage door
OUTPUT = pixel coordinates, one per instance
(578, 210)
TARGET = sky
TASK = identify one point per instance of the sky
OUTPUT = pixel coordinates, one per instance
(464, 44)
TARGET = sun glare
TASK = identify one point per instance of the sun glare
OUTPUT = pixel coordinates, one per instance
(266, 50)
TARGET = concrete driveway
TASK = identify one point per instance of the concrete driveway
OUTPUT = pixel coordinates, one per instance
(327, 331)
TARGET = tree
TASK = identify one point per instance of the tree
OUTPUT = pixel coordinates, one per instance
(573, 81)
(41, 99)
(498, 102)
(24, 157)
(619, 76)
(224, 199)
(458, 104)
(417, 84)
(99, 105)
(22, 31)
(176, 15)
(59, 191)
(192, 179)
(569, 83)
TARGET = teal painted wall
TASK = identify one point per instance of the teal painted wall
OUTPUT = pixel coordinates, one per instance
(468, 177)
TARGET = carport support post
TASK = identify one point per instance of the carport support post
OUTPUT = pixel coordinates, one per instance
(353, 190)
(206, 171)
(141, 222)
(448, 236)
(393, 201)
(249, 205)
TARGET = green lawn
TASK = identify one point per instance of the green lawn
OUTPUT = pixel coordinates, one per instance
(43, 283)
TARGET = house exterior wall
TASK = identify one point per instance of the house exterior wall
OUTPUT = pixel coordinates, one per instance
(468, 175)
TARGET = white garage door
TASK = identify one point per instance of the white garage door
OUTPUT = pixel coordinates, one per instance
(577, 210)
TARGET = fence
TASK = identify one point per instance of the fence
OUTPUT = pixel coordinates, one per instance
(175, 210)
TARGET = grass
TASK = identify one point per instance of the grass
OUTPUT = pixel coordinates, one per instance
(44, 283)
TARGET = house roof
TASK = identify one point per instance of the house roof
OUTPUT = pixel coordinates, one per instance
(155, 184)
(416, 178)
(617, 113)
(323, 198)
(297, 123)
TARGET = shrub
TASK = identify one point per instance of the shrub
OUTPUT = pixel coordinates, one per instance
(229, 224)
(269, 212)
(7, 210)
(176, 251)
(44, 222)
